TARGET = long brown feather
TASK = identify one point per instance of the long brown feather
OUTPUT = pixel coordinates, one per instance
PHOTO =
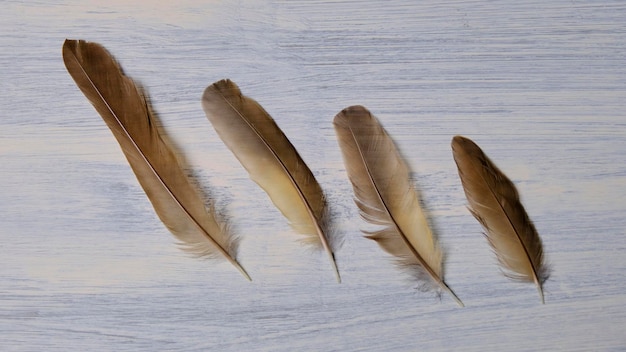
(122, 106)
(495, 203)
(270, 159)
(386, 196)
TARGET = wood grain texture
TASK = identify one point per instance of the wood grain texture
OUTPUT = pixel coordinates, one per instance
(86, 265)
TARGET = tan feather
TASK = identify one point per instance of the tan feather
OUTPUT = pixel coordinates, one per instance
(270, 159)
(495, 203)
(386, 196)
(122, 106)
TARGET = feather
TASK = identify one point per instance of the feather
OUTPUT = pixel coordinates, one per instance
(122, 106)
(270, 159)
(385, 196)
(495, 203)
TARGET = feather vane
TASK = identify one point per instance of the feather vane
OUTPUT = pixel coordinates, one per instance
(495, 203)
(270, 159)
(122, 105)
(385, 195)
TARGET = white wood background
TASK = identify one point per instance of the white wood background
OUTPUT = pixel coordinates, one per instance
(85, 264)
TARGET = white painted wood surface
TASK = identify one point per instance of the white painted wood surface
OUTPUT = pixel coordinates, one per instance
(86, 265)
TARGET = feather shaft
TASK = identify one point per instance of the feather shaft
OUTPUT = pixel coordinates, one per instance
(122, 106)
(385, 195)
(270, 159)
(494, 202)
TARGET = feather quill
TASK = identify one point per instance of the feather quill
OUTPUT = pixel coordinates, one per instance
(122, 106)
(385, 195)
(270, 159)
(494, 202)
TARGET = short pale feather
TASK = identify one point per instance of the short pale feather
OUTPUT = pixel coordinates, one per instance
(385, 195)
(495, 203)
(122, 106)
(270, 159)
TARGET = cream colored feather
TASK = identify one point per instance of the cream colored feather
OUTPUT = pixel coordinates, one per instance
(386, 196)
(122, 106)
(495, 203)
(270, 159)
